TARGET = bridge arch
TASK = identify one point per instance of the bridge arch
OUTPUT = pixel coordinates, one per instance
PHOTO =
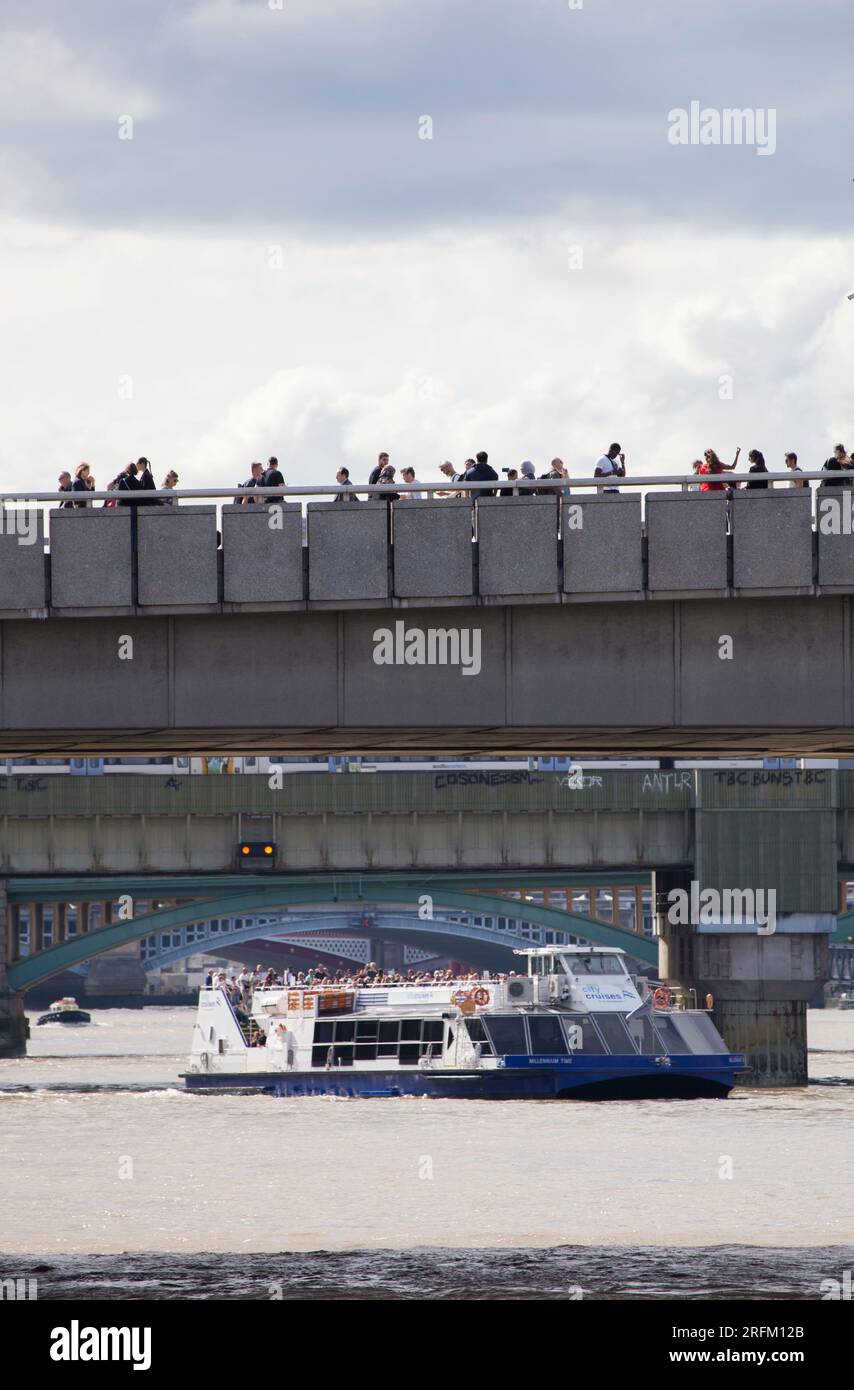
(393, 923)
(32, 970)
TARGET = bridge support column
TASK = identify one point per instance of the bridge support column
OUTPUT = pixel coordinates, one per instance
(761, 984)
(377, 952)
(116, 974)
(14, 1028)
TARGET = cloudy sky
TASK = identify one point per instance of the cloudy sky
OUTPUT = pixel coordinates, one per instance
(278, 262)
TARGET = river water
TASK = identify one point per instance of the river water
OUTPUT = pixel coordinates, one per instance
(116, 1183)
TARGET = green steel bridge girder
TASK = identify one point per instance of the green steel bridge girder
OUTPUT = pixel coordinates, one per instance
(102, 888)
(264, 896)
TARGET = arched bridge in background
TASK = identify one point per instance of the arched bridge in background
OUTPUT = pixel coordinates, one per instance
(353, 937)
(425, 916)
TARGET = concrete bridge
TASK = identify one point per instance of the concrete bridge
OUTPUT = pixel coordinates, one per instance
(676, 623)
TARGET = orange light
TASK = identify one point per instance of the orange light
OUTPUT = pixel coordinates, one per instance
(268, 849)
(244, 849)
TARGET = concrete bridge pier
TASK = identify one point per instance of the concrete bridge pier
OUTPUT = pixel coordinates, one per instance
(761, 984)
(14, 1027)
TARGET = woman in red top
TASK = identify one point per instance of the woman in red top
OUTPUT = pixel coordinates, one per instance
(712, 464)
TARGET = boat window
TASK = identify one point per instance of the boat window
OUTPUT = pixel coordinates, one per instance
(507, 1035)
(389, 1033)
(699, 1033)
(432, 1031)
(410, 1029)
(345, 1029)
(410, 1053)
(342, 1055)
(581, 1034)
(367, 1029)
(595, 965)
(615, 1033)
(644, 1035)
(546, 1033)
(477, 1033)
(671, 1038)
(323, 1032)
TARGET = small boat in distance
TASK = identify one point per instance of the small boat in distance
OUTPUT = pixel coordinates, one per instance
(573, 1026)
(65, 1010)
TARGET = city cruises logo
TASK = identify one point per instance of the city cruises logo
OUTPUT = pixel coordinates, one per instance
(432, 646)
(76, 1343)
(711, 125)
(731, 907)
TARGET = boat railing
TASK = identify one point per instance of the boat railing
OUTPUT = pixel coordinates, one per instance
(335, 987)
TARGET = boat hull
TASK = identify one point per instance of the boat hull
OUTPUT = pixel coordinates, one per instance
(67, 1016)
(637, 1078)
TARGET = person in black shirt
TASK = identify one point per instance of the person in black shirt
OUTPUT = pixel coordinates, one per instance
(81, 483)
(253, 481)
(832, 465)
(65, 486)
(386, 477)
(757, 465)
(146, 482)
(128, 483)
(272, 478)
(374, 476)
(482, 472)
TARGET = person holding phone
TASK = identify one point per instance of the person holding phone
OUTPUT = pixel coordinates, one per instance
(611, 465)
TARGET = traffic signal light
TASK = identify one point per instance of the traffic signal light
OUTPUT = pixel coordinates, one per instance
(253, 854)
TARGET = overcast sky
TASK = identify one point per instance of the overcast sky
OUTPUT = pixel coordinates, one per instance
(276, 262)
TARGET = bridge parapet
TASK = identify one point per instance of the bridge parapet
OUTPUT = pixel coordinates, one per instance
(586, 547)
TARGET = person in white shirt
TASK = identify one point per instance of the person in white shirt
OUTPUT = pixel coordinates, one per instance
(407, 475)
(792, 465)
(450, 472)
(611, 465)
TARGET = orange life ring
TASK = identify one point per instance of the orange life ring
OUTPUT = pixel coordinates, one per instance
(481, 997)
(661, 997)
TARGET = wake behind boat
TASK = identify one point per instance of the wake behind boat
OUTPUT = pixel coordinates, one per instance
(65, 1010)
(574, 1026)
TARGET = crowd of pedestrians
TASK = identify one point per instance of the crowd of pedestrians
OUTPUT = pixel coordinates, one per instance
(710, 465)
(137, 478)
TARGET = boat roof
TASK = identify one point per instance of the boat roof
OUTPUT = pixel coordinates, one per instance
(569, 951)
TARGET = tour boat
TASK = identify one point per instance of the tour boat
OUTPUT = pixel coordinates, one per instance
(574, 1025)
(65, 1010)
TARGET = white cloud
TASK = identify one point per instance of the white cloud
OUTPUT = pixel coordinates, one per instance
(431, 347)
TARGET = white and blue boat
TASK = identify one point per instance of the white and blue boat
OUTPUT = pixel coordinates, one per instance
(574, 1026)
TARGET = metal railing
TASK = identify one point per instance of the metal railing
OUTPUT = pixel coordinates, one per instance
(249, 496)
